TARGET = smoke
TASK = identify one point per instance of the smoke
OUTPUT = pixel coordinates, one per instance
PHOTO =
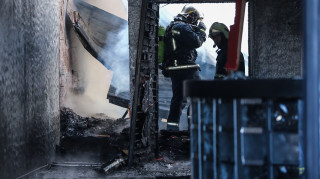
(90, 85)
(117, 57)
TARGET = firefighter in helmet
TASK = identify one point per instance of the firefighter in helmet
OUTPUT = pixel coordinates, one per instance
(183, 36)
(219, 33)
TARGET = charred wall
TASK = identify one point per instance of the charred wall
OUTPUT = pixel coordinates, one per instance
(29, 84)
(275, 42)
(143, 28)
(134, 23)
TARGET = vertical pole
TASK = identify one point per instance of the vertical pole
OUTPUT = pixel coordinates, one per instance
(311, 77)
(215, 128)
(199, 139)
(235, 36)
(194, 138)
(236, 140)
(157, 93)
(270, 138)
(137, 82)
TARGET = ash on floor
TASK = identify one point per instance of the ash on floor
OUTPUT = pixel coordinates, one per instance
(87, 145)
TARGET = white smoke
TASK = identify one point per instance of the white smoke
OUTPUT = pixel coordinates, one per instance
(116, 57)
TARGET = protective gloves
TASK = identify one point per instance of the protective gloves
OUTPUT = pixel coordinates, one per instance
(202, 28)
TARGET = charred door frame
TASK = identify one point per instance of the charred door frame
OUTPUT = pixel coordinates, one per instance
(144, 80)
(144, 76)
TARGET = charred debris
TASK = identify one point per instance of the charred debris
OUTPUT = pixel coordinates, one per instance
(103, 143)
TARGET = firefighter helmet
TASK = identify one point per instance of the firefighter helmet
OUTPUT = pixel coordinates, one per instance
(217, 28)
(191, 14)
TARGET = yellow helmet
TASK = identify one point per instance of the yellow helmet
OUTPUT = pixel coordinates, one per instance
(216, 28)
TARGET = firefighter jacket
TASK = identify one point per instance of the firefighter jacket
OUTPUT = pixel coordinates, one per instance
(184, 38)
(221, 59)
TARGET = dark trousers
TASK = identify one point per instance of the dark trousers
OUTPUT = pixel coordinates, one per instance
(177, 101)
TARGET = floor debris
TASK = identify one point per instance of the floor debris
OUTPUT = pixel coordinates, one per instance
(98, 148)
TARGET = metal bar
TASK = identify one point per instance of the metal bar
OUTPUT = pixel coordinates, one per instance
(214, 114)
(236, 140)
(311, 76)
(199, 139)
(76, 164)
(137, 82)
(239, 123)
(219, 132)
(194, 139)
(183, 67)
(251, 130)
(270, 139)
(301, 128)
(249, 88)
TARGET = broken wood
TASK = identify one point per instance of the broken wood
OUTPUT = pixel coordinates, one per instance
(117, 163)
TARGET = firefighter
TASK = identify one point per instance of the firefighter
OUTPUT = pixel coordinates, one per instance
(183, 36)
(219, 33)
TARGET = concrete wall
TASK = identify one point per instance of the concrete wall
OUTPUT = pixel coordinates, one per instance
(29, 84)
(275, 42)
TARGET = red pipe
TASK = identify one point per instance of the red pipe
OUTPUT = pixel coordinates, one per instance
(235, 37)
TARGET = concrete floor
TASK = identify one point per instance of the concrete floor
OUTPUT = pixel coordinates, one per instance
(152, 169)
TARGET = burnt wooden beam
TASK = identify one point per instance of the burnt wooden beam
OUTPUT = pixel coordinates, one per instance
(137, 81)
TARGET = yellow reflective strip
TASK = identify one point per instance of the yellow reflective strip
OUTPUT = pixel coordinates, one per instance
(203, 30)
(190, 11)
(301, 170)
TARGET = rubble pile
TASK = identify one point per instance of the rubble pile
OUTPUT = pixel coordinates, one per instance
(72, 125)
(91, 140)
